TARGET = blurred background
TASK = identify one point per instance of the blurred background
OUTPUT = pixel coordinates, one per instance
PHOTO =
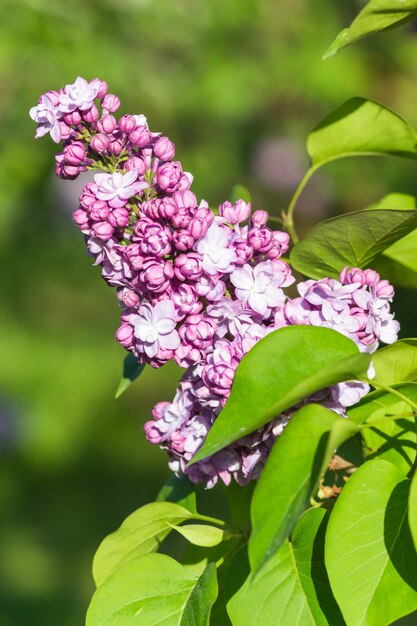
(237, 84)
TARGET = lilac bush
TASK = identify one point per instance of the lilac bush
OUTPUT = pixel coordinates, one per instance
(196, 285)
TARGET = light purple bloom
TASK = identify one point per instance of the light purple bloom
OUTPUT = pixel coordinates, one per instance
(155, 327)
(78, 95)
(216, 251)
(259, 287)
(47, 116)
(118, 188)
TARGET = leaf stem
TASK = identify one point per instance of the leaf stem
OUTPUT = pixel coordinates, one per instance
(289, 216)
(389, 389)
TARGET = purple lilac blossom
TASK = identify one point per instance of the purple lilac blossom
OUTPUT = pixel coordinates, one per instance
(194, 287)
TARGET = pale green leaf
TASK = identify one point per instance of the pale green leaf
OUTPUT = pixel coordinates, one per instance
(354, 239)
(297, 460)
(293, 587)
(282, 369)
(154, 590)
(369, 552)
(376, 16)
(203, 535)
(131, 370)
(396, 363)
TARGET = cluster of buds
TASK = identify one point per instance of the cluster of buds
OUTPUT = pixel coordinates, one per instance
(196, 286)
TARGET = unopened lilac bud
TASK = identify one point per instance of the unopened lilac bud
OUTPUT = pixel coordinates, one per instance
(80, 217)
(74, 153)
(185, 181)
(119, 218)
(181, 218)
(185, 199)
(139, 137)
(244, 251)
(125, 336)
(128, 297)
(183, 240)
(99, 211)
(384, 289)
(164, 149)
(67, 172)
(53, 96)
(106, 124)
(134, 256)
(99, 143)
(281, 243)
(371, 277)
(110, 103)
(127, 123)
(168, 176)
(156, 275)
(235, 213)
(349, 276)
(260, 239)
(167, 207)
(102, 87)
(116, 147)
(65, 130)
(91, 115)
(136, 163)
(188, 266)
(259, 219)
(102, 230)
(87, 197)
(73, 119)
(200, 222)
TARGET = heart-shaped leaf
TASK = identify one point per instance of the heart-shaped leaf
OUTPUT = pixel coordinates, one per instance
(282, 369)
(396, 363)
(297, 460)
(151, 590)
(370, 557)
(140, 533)
(354, 239)
(293, 587)
(361, 127)
(376, 16)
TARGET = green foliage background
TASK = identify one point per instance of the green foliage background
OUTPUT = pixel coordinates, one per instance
(237, 84)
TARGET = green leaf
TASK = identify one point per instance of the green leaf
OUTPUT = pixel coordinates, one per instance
(297, 460)
(377, 16)
(142, 532)
(239, 192)
(203, 535)
(412, 509)
(354, 239)
(396, 363)
(152, 590)
(179, 489)
(282, 369)
(369, 552)
(361, 127)
(131, 370)
(396, 440)
(293, 587)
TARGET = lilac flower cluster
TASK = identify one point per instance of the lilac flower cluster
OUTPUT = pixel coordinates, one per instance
(197, 286)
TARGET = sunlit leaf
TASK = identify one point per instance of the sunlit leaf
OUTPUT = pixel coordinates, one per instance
(151, 590)
(203, 535)
(282, 369)
(353, 239)
(396, 363)
(376, 16)
(370, 557)
(293, 587)
(297, 460)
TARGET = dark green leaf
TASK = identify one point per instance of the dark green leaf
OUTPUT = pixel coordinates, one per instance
(239, 192)
(377, 16)
(370, 556)
(293, 587)
(396, 440)
(282, 369)
(179, 489)
(151, 590)
(412, 509)
(131, 370)
(297, 460)
(142, 532)
(354, 239)
(361, 127)
(396, 363)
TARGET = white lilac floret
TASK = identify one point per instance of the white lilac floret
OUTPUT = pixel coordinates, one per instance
(194, 287)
